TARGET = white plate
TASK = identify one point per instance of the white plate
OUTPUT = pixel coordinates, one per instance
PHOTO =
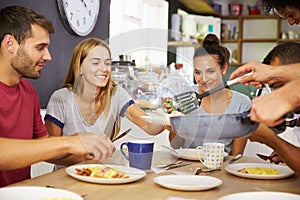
(283, 170)
(261, 196)
(187, 182)
(190, 153)
(160, 119)
(35, 193)
(135, 174)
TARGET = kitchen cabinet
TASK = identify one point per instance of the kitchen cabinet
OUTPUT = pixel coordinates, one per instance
(251, 37)
(192, 26)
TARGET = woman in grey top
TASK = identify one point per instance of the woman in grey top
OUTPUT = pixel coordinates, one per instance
(211, 61)
(89, 100)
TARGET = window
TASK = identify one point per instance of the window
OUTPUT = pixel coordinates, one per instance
(139, 28)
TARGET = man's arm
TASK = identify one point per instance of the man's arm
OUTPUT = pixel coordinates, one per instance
(16, 153)
(270, 109)
(262, 73)
(287, 152)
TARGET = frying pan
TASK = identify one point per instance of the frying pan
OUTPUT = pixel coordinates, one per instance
(213, 126)
(221, 126)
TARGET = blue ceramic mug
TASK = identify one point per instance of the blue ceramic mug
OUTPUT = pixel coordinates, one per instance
(139, 153)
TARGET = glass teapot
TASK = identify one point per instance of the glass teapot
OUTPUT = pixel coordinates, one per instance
(149, 92)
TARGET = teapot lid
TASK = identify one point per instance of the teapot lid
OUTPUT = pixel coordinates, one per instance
(123, 63)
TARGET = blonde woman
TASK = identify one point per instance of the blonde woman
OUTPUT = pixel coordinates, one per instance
(90, 100)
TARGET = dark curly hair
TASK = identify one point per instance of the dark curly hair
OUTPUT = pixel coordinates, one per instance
(268, 5)
(211, 46)
(287, 53)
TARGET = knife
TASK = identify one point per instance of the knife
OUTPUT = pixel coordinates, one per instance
(178, 165)
(235, 158)
(264, 157)
(121, 135)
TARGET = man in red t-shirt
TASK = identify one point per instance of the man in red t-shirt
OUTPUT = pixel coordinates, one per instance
(23, 53)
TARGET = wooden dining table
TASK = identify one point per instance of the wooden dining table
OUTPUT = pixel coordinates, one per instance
(146, 188)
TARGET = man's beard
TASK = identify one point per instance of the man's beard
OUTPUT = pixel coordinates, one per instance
(24, 65)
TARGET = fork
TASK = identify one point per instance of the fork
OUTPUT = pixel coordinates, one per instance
(169, 164)
(204, 170)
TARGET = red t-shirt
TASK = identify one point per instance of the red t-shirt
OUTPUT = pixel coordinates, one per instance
(19, 118)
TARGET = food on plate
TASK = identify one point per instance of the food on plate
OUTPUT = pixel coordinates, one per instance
(98, 172)
(260, 171)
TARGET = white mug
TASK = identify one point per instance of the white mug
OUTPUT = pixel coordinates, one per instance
(213, 154)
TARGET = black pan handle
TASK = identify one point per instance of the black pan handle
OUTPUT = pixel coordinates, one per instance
(212, 91)
(289, 122)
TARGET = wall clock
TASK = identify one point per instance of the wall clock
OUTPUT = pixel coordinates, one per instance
(79, 16)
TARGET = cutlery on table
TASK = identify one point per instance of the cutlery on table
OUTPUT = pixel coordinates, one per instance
(178, 165)
(121, 135)
(204, 170)
(235, 158)
(169, 164)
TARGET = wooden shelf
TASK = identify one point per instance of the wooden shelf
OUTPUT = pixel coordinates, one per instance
(259, 17)
(289, 40)
(259, 40)
(201, 7)
(230, 41)
(249, 17)
(243, 41)
(183, 44)
(230, 17)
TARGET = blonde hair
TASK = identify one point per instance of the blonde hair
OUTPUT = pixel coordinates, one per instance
(74, 80)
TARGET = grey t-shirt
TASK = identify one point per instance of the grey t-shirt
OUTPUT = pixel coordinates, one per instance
(239, 103)
(64, 111)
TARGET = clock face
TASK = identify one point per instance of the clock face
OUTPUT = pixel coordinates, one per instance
(79, 16)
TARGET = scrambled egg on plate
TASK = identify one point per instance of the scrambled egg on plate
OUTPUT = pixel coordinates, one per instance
(259, 171)
(106, 172)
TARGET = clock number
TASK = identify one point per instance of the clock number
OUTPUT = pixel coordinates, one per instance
(66, 4)
(79, 16)
(71, 16)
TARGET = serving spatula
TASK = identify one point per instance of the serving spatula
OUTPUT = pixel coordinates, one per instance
(191, 100)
